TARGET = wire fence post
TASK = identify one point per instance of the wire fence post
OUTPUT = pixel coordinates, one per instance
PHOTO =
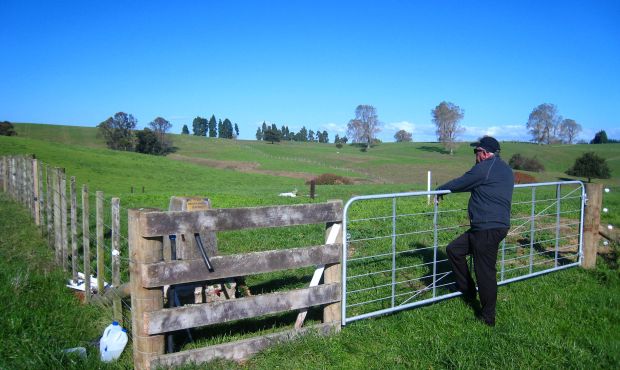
(5, 174)
(49, 204)
(63, 218)
(74, 246)
(100, 249)
(116, 263)
(57, 227)
(86, 241)
(36, 193)
(41, 197)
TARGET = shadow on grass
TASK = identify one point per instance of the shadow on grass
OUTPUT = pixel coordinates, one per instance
(434, 149)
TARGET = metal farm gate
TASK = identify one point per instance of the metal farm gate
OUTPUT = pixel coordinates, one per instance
(394, 248)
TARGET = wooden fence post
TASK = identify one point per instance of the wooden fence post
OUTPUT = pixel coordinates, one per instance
(63, 218)
(40, 197)
(57, 226)
(591, 222)
(100, 249)
(116, 261)
(332, 312)
(142, 251)
(86, 241)
(30, 186)
(49, 203)
(14, 178)
(74, 247)
(3, 173)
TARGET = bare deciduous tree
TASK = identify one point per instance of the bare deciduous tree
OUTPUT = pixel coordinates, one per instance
(365, 125)
(569, 129)
(543, 122)
(160, 126)
(446, 117)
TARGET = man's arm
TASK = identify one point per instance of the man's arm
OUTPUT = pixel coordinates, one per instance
(468, 181)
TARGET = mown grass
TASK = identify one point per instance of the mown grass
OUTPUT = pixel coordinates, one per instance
(568, 319)
(435, 336)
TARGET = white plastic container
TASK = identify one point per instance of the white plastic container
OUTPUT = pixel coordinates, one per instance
(110, 334)
(114, 345)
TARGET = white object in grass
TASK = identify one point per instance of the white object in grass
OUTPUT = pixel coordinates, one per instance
(605, 210)
(610, 227)
(291, 194)
(606, 190)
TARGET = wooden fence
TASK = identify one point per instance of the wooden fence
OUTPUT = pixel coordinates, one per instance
(148, 228)
(54, 207)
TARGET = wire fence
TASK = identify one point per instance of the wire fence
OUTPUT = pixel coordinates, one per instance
(65, 216)
(395, 256)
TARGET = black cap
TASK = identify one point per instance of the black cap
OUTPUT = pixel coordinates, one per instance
(487, 143)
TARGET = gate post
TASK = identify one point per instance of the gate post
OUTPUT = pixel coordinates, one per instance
(141, 251)
(333, 274)
(591, 222)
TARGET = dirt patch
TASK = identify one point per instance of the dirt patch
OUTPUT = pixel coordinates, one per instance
(246, 167)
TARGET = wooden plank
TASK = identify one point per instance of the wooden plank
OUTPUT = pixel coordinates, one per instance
(238, 350)
(172, 319)
(178, 272)
(168, 223)
(63, 218)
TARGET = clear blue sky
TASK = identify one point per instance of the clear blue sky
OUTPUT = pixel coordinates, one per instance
(312, 62)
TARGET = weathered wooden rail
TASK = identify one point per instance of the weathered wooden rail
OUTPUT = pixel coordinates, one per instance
(149, 228)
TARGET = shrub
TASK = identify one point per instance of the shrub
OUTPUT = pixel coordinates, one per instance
(331, 179)
(7, 129)
(520, 162)
(339, 145)
(524, 178)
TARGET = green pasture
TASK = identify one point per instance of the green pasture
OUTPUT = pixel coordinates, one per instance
(240, 173)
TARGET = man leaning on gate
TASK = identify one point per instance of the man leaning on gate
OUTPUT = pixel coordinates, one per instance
(490, 182)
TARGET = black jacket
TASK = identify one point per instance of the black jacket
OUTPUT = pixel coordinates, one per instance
(491, 183)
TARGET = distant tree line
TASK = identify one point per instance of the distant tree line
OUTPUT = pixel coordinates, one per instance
(273, 134)
(119, 133)
(213, 128)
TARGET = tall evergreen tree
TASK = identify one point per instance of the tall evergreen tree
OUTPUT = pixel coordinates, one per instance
(259, 134)
(199, 126)
(236, 130)
(212, 126)
(185, 130)
(227, 128)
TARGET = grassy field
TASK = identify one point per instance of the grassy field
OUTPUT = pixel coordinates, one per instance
(576, 325)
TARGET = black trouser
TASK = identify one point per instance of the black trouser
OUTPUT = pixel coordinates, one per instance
(483, 245)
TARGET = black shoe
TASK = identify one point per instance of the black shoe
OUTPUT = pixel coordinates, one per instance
(485, 321)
